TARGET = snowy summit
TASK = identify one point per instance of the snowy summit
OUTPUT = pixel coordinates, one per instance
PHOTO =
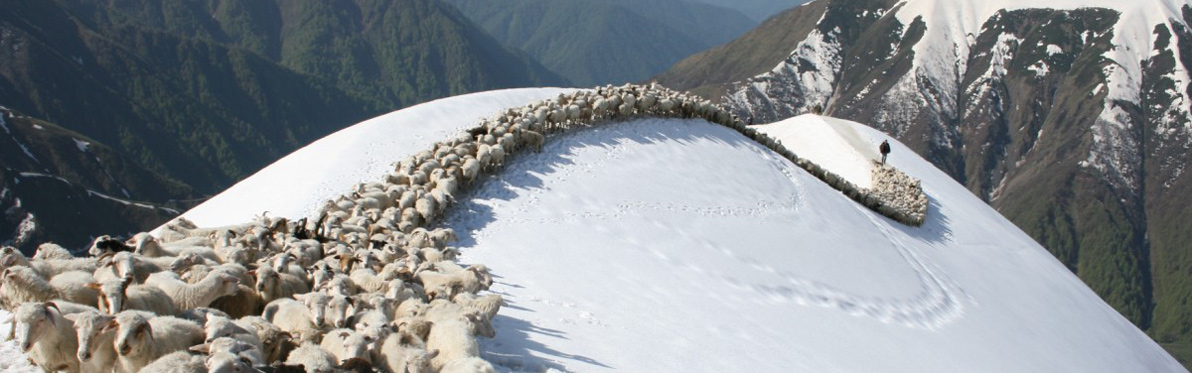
(664, 244)
(677, 245)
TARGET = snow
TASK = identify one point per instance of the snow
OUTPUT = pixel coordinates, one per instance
(20, 144)
(82, 145)
(820, 138)
(667, 245)
(11, 359)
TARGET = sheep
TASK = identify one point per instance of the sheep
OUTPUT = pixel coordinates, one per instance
(47, 268)
(488, 305)
(245, 351)
(198, 272)
(118, 295)
(275, 342)
(469, 280)
(176, 362)
(200, 314)
(107, 244)
(244, 302)
(272, 285)
(187, 296)
(140, 341)
(346, 344)
(223, 362)
(454, 338)
(222, 327)
(398, 354)
(366, 279)
(295, 317)
(313, 357)
(22, 284)
(148, 246)
(47, 336)
(128, 264)
(96, 334)
(470, 364)
(52, 251)
(339, 309)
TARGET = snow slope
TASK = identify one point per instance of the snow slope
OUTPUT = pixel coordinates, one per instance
(666, 245)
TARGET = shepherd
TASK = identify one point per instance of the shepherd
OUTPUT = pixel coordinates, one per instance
(885, 149)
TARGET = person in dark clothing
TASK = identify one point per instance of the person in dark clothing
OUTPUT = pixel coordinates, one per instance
(885, 149)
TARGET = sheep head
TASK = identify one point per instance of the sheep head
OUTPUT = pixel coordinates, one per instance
(133, 335)
(339, 309)
(479, 324)
(89, 326)
(32, 322)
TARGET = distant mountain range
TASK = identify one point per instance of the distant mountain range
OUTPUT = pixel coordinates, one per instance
(202, 93)
(758, 10)
(607, 41)
(1074, 123)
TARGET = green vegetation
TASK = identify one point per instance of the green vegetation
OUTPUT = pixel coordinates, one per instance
(607, 41)
(209, 91)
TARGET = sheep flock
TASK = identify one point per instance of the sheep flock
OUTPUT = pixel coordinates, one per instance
(368, 284)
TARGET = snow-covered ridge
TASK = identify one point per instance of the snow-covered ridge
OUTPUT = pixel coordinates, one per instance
(787, 276)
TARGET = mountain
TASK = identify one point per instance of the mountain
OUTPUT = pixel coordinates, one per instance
(608, 41)
(1072, 120)
(61, 186)
(758, 10)
(743, 260)
(209, 91)
(204, 93)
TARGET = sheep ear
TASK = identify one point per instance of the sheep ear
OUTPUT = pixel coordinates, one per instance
(343, 334)
(203, 348)
(110, 325)
(8, 260)
(432, 354)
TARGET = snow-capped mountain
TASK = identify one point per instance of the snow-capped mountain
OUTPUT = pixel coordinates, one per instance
(663, 245)
(1071, 117)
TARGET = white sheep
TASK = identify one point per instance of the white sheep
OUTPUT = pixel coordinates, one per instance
(52, 251)
(46, 336)
(47, 268)
(398, 353)
(96, 334)
(275, 342)
(148, 246)
(296, 317)
(177, 362)
(339, 310)
(140, 341)
(469, 364)
(487, 305)
(187, 296)
(272, 285)
(346, 344)
(21, 284)
(223, 362)
(245, 351)
(119, 295)
(129, 264)
(222, 327)
(455, 337)
(314, 358)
